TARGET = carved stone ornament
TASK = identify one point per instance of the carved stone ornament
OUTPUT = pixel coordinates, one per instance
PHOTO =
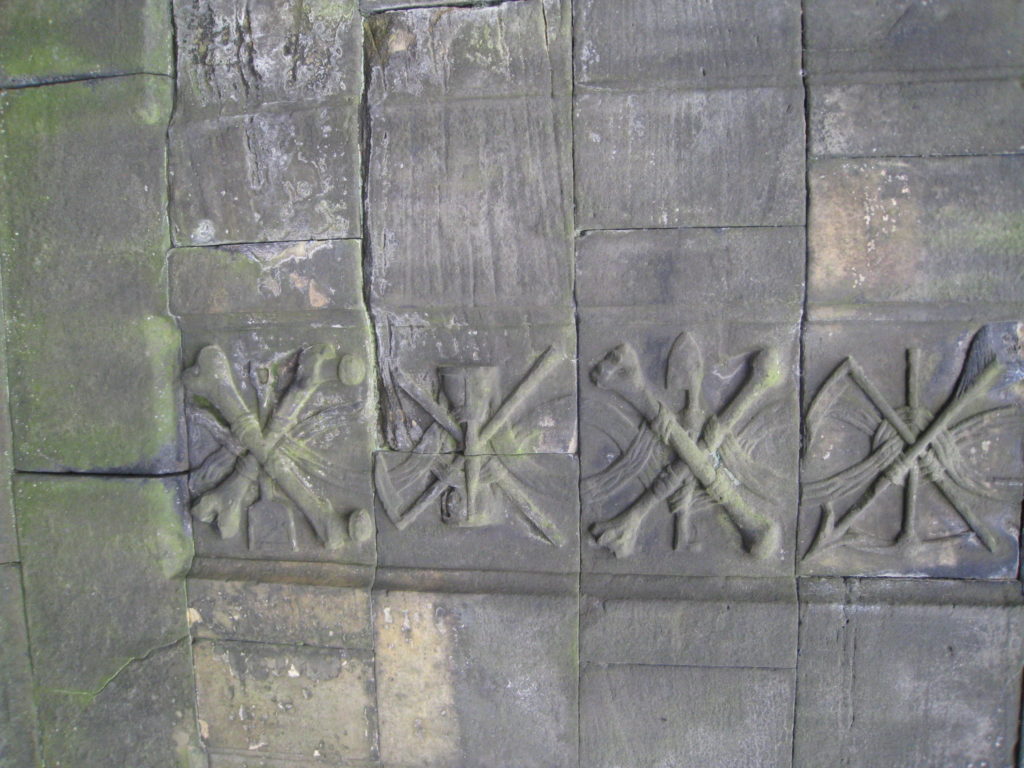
(464, 449)
(695, 459)
(910, 446)
(266, 468)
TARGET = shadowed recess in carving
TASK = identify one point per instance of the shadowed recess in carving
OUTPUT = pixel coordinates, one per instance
(265, 464)
(473, 485)
(705, 458)
(909, 444)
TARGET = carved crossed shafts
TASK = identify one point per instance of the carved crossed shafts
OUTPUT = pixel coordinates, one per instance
(619, 372)
(476, 417)
(211, 378)
(920, 449)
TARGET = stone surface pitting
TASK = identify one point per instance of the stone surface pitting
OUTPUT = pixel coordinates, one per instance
(265, 139)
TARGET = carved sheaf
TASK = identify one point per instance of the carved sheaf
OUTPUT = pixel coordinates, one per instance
(909, 446)
(691, 459)
(265, 465)
(461, 454)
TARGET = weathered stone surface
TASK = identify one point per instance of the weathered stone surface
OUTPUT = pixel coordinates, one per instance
(632, 148)
(940, 230)
(91, 350)
(476, 681)
(275, 334)
(265, 139)
(286, 702)
(145, 717)
(698, 45)
(266, 278)
(17, 710)
(640, 715)
(444, 366)
(691, 623)
(8, 536)
(710, 313)
(468, 190)
(523, 516)
(899, 678)
(917, 118)
(914, 38)
(297, 614)
(957, 512)
(102, 561)
(45, 42)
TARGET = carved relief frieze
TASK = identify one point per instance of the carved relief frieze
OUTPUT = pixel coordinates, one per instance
(916, 484)
(271, 433)
(691, 454)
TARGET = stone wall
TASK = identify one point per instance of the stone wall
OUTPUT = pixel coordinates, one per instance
(537, 383)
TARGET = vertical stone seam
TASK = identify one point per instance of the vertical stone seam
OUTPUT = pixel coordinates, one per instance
(801, 362)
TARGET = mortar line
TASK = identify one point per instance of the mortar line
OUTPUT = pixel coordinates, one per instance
(80, 78)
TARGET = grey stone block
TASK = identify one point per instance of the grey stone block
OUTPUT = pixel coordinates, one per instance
(286, 702)
(468, 181)
(265, 139)
(8, 535)
(914, 38)
(953, 118)
(102, 563)
(44, 42)
(665, 716)
(512, 373)
(938, 230)
(689, 623)
(18, 736)
(145, 716)
(91, 349)
(695, 45)
(689, 158)
(475, 681)
(297, 614)
(710, 313)
(956, 512)
(523, 515)
(906, 680)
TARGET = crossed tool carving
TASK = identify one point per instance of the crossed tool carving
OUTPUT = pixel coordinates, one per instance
(699, 446)
(256, 449)
(912, 443)
(459, 481)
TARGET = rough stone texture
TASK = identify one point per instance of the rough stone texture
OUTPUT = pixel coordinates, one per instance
(143, 717)
(469, 198)
(286, 322)
(102, 563)
(286, 702)
(17, 713)
(913, 37)
(661, 87)
(296, 614)
(903, 674)
(916, 118)
(44, 42)
(265, 139)
(8, 535)
(727, 718)
(630, 147)
(689, 623)
(92, 353)
(713, 313)
(476, 680)
(696, 45)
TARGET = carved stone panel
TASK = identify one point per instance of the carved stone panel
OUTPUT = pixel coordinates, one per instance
(280, 403)
(688, 437)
